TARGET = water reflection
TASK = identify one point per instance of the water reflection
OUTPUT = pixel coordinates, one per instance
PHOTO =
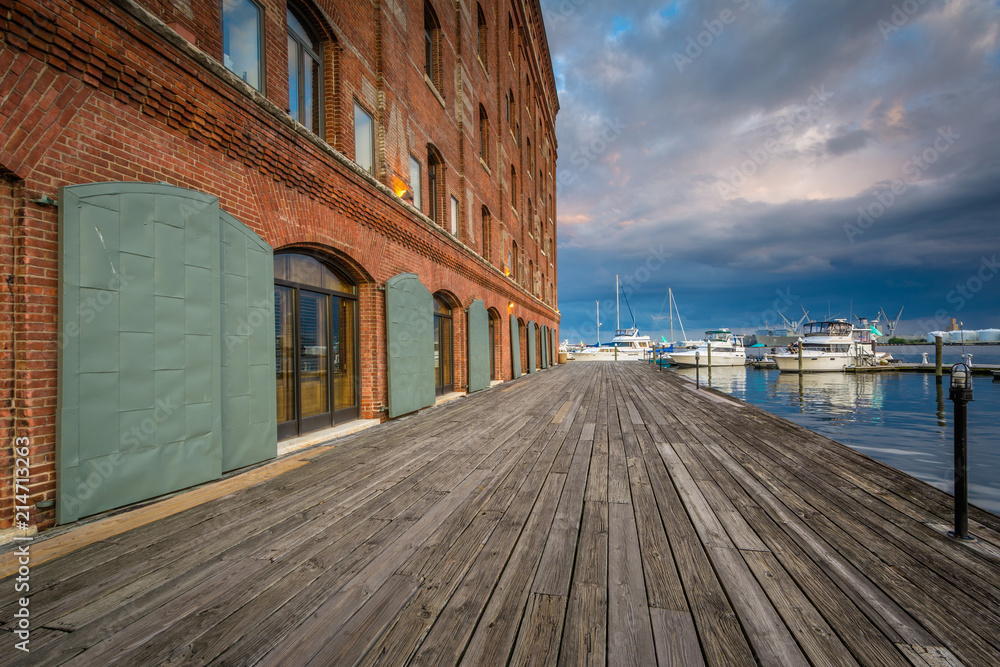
(902, 419)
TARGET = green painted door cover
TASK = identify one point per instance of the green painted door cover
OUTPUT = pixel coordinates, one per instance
(166, 359)
(409, 316)
(249, 407)
(479, 346)
(515, 348)
(139, 361)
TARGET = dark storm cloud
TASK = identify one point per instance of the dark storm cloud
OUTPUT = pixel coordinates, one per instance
(834, 145)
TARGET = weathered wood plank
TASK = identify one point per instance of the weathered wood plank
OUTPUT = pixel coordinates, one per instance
(541, 630)
(630, 636)
(676, 638)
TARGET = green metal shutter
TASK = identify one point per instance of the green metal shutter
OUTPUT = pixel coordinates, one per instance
(249, 408)
(479, 346)
(409, 317)
(139, 360)
(515, 348)
(530, 333)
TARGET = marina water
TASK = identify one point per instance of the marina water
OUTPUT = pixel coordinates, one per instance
(901, 419)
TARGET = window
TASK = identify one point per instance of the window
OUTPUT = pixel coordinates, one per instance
(484, 135)
(510, 35)
(487, 234)
(516, 262)
(509, 102)
(364, 139)
(531, 158)
(517, 134)
(432, 46)
(483, 43)
(454, 216)
(316, 341)
(513, 186)
(242, 37)
(435, 184)
(305, 75)
(415, 181)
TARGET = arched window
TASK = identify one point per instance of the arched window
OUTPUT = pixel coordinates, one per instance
(432, 47)
(484, 135)
(305, 74)
(483, 41)
(509, 103)
(510, 35)
(316, 344)
(435, 185)
(513, 187)
(444, 367)
(516, 261)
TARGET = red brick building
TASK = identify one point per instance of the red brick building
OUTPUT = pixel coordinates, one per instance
(158, 154)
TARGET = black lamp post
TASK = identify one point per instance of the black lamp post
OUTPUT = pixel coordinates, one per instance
(697, 369)
(961, 394)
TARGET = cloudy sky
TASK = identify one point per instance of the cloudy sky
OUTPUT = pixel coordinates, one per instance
(759, 155)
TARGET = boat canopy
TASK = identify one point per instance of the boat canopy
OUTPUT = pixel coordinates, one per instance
(831, 328)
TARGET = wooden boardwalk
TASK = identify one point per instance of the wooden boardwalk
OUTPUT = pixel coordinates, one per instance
(592, 514)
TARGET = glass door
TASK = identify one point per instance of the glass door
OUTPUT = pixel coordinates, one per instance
(314, 362)
(316, 339)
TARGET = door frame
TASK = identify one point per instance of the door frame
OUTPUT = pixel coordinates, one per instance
(301, 425)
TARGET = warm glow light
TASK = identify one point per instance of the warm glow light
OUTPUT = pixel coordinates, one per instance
(399, 187)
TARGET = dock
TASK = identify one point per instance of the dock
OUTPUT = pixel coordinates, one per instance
(590, 514)
(977, 369)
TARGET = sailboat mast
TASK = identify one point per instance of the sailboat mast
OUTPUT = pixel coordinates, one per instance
(618, 324)
(598, 323)
(670, 294)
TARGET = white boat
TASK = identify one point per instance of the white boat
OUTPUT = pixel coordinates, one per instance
(627, 345)
(827, 346)
(726, 350)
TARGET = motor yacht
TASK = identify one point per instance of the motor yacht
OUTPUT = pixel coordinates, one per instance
(827, 346)
(726, 350)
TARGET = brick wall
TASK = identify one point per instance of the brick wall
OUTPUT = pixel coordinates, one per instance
(98, 91)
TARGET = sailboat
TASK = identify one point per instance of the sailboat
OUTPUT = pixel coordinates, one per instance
(627, 344)
(674, 345)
